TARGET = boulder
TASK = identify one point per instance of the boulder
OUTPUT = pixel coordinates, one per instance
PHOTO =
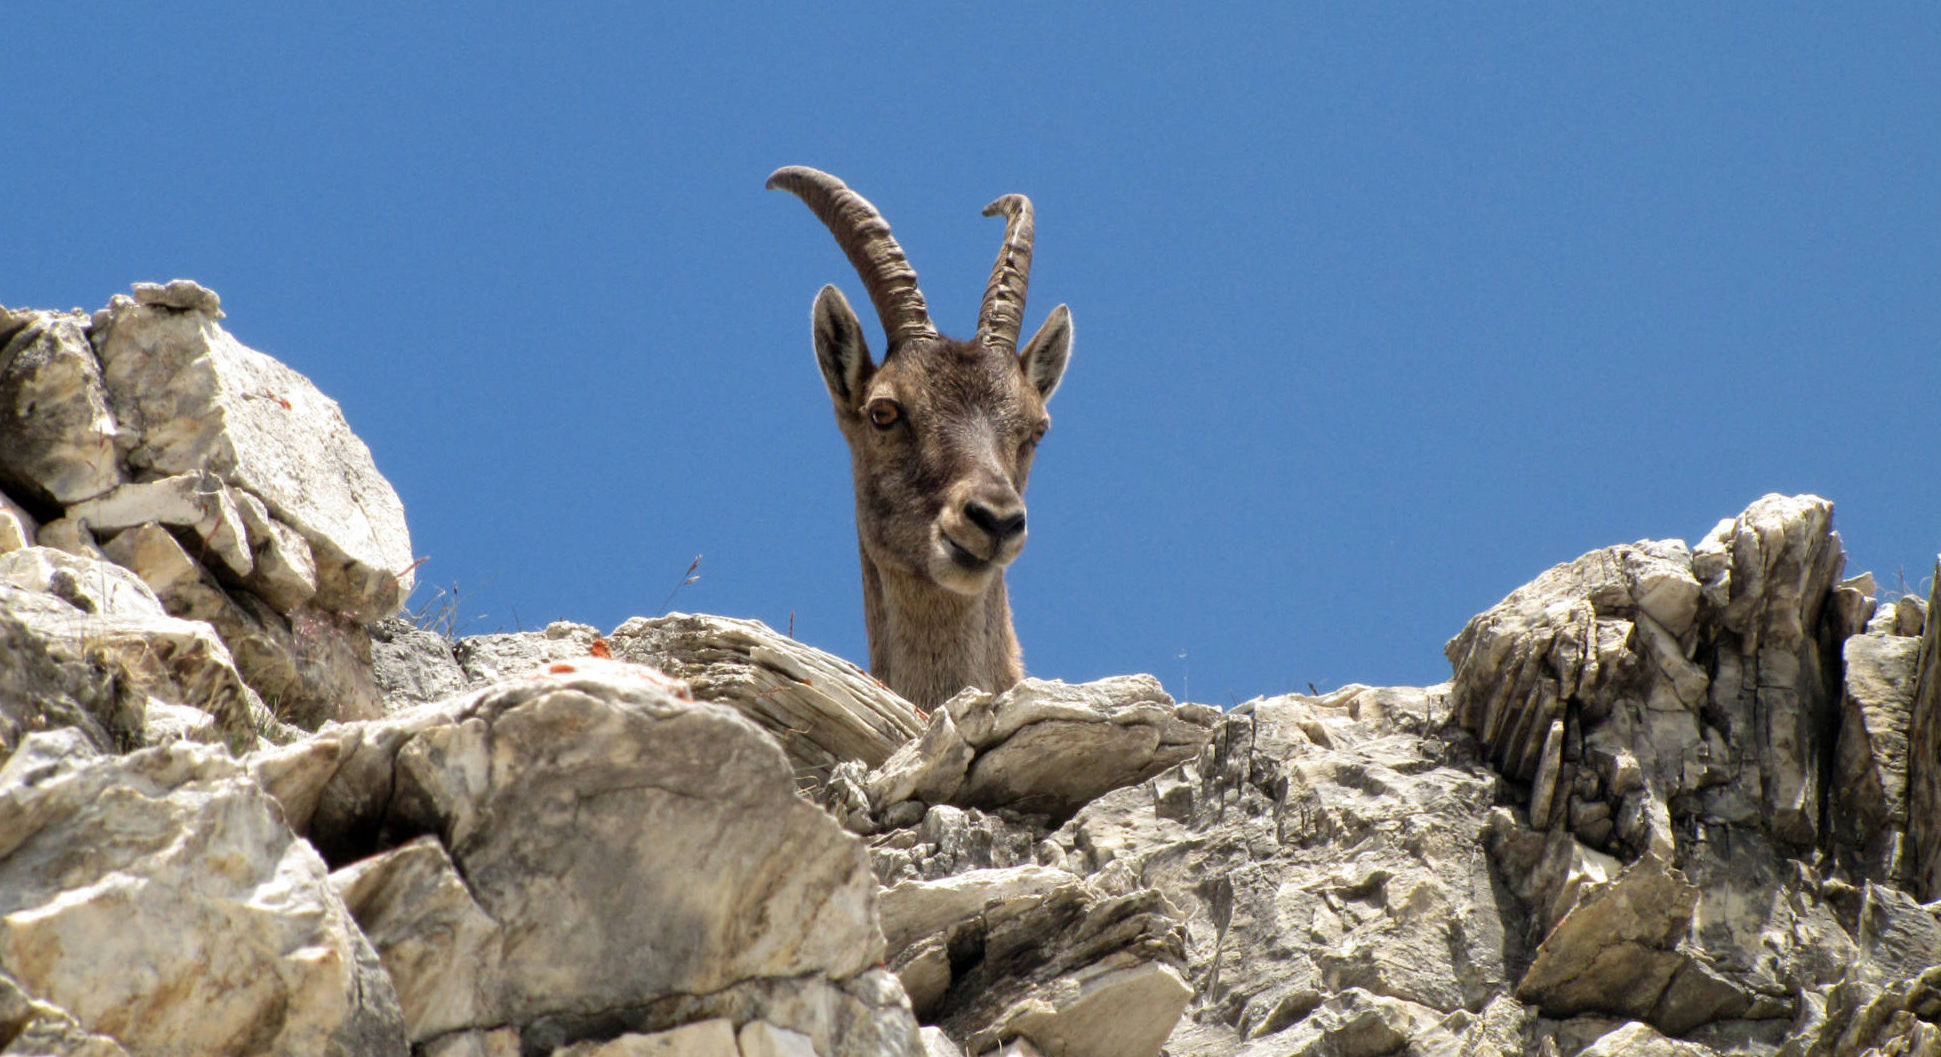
(159, 900)
(1041, 747)
(823, 709)
(193, 399)
(585, 852)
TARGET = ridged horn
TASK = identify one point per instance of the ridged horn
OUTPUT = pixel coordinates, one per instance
(865, 239)
(1001, 317)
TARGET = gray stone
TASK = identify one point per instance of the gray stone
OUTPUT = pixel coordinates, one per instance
(197, 502)
(823, 709)
(195, 399)
(309, 666)
(57, 432)
(159, 899)
(611, 857)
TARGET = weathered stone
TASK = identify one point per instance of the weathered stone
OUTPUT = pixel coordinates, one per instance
(86, 638)
(1924, 758)
(57, 434)
(197, 502)
(282, 572)
(490, 658)
(823, 709)
(159, 899)
(17, 526)
(629, 846)
(437, 945)
(412, 665)
(1869, 787)
(67, 534)
(196, 399)
(929, 768)
(708, 1038)
(310, 667)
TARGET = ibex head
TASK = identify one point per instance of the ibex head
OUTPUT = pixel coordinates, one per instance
(941, 432)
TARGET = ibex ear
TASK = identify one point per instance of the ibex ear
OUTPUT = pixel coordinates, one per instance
(1045, 357)
(840, 348)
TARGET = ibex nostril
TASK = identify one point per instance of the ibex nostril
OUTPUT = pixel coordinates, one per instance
(1000, 526)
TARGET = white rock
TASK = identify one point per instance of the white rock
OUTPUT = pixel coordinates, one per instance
(629, 844)
(160, 900)
(197, 501)
(199, 400)
(823, 709)
(759, 1038)
(57, 434)
(709, 1038)
(17, 526)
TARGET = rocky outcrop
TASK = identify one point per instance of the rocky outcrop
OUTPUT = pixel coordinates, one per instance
(146, 435)
(1676, 799)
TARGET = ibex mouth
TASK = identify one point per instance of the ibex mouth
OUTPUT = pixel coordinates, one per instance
(963, 558)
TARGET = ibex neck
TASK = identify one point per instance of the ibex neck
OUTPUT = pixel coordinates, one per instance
(927, 643)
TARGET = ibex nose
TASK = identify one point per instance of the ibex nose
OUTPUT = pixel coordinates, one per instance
(1000, 526)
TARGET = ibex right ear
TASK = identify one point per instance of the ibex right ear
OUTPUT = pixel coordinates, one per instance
(840, 348)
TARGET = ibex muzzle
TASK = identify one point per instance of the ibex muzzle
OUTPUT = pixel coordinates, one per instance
(941, 435)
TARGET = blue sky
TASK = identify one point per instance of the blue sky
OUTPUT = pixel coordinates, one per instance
(1381, 309)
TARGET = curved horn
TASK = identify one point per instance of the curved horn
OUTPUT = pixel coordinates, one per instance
(1002, 314)
(865, 238)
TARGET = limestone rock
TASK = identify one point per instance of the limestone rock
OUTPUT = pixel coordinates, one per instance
(17, 526)
(197, 502)
(57, 432)
(490, 658)
(309, 666)
(87, 645)
(159, 900)
(1924, 754)
(610, 857)
(1869, 815)
(1041, 747)
(411, 665)
(823, 709)
(194, 399)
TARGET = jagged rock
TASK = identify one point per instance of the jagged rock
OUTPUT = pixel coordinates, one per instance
(57, 433)
(194, 399)
(282, 570)
(1869, 786)
(197, 502)
(823, 709)
(1924, 755)
(944, 841)
(309, 666)
(159, 900)
(1041, 747)
(610, 857)
(1071, 970)
(67, 534)
(412, 665)
(86, 644)
(1315, 844)
(490, 658)
(28, 1026)
(17, 526)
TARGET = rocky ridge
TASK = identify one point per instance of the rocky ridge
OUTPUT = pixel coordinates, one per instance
(1675, 799)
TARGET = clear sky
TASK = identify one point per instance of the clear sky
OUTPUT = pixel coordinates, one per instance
(1381, 309)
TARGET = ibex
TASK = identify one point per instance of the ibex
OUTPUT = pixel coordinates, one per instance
(941, 435)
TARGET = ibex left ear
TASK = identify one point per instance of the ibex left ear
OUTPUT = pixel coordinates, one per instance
(1044, 358)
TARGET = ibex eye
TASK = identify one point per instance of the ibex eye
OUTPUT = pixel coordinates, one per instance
(884, 413)
(1038, 432)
